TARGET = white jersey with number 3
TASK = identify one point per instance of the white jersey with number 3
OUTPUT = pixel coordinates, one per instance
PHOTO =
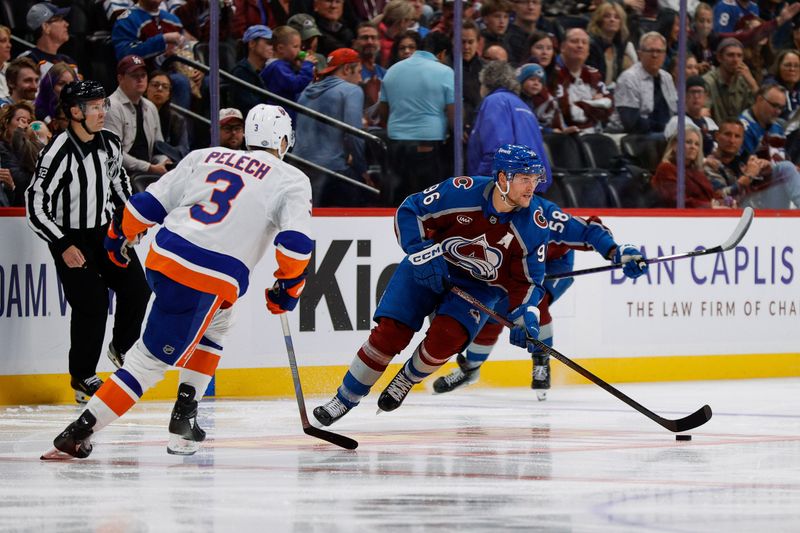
(221, 209)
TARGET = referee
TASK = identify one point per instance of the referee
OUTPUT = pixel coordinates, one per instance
(79, 180)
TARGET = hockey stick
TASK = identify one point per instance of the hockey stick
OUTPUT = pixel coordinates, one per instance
(308, 429)
(733, 240)
(698, 418)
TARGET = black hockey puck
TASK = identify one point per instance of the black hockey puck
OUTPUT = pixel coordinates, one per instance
(683, 437)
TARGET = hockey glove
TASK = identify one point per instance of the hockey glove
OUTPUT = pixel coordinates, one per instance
(526, 326)
(283, 296)
(115, 242)
(431, 273)
(633, 262)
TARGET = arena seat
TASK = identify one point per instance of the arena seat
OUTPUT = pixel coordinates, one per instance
(141, 181)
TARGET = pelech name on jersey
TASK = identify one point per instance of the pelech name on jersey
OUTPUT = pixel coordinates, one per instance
(248, 165)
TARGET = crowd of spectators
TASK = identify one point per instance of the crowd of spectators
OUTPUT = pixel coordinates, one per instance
(530, 67)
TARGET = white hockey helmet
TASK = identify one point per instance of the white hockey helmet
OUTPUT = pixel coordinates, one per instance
(266, 126)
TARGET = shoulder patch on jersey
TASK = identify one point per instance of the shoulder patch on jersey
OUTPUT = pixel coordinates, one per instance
(539, 219)
(463, 182)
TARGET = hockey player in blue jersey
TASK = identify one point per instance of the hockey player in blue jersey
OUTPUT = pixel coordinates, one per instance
(492, 234)
(567, 234)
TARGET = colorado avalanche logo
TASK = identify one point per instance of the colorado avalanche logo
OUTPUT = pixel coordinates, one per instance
(473, 255)
(538, 218)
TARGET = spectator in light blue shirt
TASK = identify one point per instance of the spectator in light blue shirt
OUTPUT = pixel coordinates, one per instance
(417, 96)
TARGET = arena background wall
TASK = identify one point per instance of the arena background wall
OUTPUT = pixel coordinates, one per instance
(728, 316)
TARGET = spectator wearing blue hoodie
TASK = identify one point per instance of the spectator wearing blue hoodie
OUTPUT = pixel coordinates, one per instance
(503, 118)
(292, 70)
(338, 95)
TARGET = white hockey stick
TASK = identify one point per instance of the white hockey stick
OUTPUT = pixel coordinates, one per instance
(734, 239)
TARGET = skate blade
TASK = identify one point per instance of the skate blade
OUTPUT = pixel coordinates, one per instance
(54, 454)
(180, 446)
(541, 395)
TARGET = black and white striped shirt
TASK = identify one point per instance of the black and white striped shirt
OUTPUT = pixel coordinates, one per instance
(74, 185)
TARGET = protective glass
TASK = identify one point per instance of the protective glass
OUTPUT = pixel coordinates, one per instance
(95, 107)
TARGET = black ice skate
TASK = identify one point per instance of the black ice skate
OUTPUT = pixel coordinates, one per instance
(331, 412)
(185, 435)
(74, 441)
(540, 381)
(85, 388)
(393, 395)
(117, 358)
(459, 377)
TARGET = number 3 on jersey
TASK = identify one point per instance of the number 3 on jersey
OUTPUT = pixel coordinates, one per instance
(222, 198)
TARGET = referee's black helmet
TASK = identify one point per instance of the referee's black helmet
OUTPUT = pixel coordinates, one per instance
(77, 92)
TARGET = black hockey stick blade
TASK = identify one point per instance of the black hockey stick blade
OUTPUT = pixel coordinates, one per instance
(735, 238)
(334, 438)
(692, 421)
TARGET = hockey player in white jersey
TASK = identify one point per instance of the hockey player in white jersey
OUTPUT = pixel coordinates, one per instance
(219, 209)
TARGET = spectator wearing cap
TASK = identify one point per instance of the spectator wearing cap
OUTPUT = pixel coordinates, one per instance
(309, 36)
(231, 128)
(174, 127)
(22, 77)
(731, 84)
(291, 71)
(135, 119)
(335, 34)
(337, 95)
(696, 113)
(534, 92)
(50, 31)
(154, 34)
(502, 119)
(5, 56)
(645, 94)
(258, 40)
(417, 99)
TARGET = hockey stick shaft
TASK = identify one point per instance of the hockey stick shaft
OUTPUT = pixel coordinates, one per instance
(734, 239)
(697, 418)
(308, 429)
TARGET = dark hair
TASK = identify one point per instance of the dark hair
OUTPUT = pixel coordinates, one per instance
(408, 34)
(731, 120)
(366, 24)
(436, 42)
(495, 6)
(7, 114)
(776, 65)
(549, 70)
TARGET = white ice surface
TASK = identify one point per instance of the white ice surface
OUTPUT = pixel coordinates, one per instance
(473, 460)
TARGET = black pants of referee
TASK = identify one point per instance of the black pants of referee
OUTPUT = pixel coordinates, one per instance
(86, 290)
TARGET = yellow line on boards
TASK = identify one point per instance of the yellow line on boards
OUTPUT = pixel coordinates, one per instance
(323, 380)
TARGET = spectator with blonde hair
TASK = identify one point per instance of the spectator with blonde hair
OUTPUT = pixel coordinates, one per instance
(5, 56)
(610, 50)
(397, 16)
(699, 190)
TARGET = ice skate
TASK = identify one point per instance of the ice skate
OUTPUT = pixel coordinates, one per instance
(331, 412)
(74, 441)
(393, 395)
(85, 388)
(540, 381)
(459, 377)
(185, 435)
(114, 356)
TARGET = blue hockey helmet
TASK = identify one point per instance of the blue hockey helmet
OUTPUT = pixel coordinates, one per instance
(515, 158)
